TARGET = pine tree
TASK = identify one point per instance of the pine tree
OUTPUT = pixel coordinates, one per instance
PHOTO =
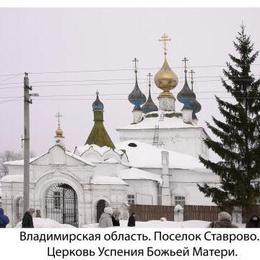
(238, 135)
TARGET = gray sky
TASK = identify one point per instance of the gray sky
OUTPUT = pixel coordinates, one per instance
(50, 40)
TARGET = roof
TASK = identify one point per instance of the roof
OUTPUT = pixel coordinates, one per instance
(137, 174)
(170, 120)
(79, 158)
(143, 155)
(107, 180)
(101, 150)
(12, 178)
(21, 162)
(99, 136)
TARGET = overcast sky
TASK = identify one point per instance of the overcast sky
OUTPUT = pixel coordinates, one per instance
(106, 41)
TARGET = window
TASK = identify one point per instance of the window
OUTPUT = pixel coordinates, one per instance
(179, 200)
(57, 199)
(131, 199)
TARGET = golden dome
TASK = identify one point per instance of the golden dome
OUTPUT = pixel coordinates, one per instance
(59, 133)
(166, 79)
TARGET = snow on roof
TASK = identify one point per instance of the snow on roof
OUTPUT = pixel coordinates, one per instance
(137, 174)
(78, 158)
(108, 180)
(12, 178)
(142, 155)
(21, 162)
(101, 150)
(165, 122)
(111, 161)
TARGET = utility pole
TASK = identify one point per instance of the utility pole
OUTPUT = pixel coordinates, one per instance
(27, 102)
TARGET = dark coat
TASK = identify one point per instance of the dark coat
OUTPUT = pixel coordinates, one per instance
(131, 221)
(27, 220)
(254, 222)
(4, 220)
(115, 221)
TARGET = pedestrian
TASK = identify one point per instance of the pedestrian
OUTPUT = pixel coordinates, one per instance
(131, 220)
(4, 220)
(115, 218)
(27, 221)
(254, 222)
(38, 213)
(106, 218)
(224, 221)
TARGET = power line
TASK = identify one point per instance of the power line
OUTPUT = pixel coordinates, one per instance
(130, 80)
(126, 69)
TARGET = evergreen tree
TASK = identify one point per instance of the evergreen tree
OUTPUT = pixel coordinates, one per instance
(238, 135)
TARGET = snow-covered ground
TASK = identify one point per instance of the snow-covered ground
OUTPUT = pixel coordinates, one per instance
(162, 224)
(49, 223)
(45, 223)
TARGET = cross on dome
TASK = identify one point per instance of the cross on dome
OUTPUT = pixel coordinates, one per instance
(164, 38)
(185, 60)
(191, 76)
(149, 75)
(58, 115)
(135, 60)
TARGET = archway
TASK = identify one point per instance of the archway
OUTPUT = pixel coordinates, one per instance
(101, 204)
(61, 204)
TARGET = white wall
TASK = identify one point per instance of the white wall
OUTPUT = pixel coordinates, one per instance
(145, 191)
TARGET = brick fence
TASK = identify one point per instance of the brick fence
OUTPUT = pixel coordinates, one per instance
(191, 212)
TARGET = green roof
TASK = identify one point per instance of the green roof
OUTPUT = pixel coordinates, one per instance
(98, 134)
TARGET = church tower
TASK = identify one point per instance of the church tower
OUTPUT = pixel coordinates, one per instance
(59, 132)
(137, 98)
(187, 97)
(166, 80)
(165, 127)
(98, 134)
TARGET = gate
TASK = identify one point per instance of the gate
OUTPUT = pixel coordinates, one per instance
(61, 204)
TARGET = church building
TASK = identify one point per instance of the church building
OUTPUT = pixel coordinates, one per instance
(155, 163)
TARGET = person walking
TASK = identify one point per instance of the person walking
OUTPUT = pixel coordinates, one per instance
(27, 221)
(254, 222)
(115, 218)
(131, 220)
(224, 221)
(4, 220)
(106, 218)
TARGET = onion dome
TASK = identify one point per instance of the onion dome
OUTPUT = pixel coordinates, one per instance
(97, 104)
(59, 131)
(98, 134)
(165, 78)
(186, 95)
(136, 97)
(196, 104)
(149, 106)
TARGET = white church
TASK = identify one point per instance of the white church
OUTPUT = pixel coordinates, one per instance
(156, 161)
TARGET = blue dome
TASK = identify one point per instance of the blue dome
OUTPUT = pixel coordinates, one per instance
(149, 105)
(97, 104)
(196, 108)
(136, 97)
(186, 96)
